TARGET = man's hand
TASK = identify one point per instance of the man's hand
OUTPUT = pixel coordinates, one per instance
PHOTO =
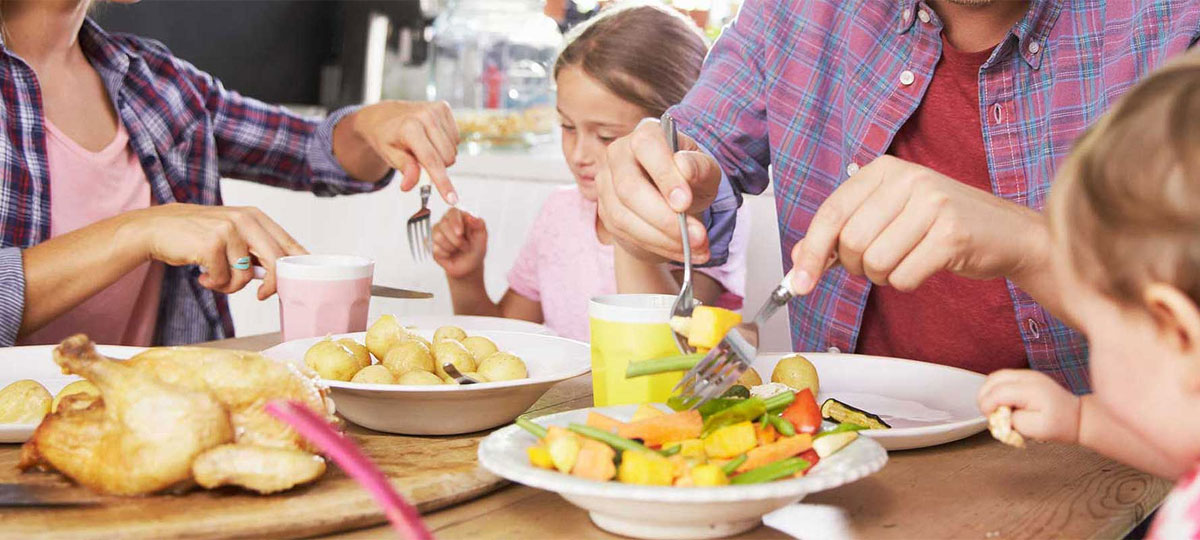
(643, 186)
(899, 223)
(1041, 408)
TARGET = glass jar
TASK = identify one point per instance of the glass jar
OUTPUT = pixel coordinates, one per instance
(493, 61)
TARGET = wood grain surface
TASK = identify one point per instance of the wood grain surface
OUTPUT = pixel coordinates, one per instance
(975, 488)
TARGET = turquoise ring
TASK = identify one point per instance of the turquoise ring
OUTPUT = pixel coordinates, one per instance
(242, 263)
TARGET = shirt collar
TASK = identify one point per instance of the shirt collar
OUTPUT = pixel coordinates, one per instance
(1030, 30)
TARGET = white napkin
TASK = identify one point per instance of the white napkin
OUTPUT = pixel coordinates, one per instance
(810, 522)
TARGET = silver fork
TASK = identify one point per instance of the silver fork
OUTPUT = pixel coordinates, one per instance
(686, 301)
(420, 239)
(726, 362)
(457, 375)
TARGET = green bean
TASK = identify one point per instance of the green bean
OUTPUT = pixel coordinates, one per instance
(662, 365)
(668, 452)
(732, 466)
(748, 410)
(766, 421)
(782, 425)
(841, 428)
(532, 427)
(617, 442)
(779, 402)
(771, 471)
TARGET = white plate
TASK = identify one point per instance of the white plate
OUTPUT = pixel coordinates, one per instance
(452, 409)
(36, 363)
(670, 512)
(926, 404)
(473, 323)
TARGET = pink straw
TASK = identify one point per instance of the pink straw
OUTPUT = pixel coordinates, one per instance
(405, 519)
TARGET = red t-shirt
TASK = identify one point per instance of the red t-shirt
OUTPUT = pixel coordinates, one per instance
(948, 320)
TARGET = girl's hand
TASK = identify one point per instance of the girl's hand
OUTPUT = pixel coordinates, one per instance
(214, 237)
(410, 136)
(1041, 408)
(459, 243)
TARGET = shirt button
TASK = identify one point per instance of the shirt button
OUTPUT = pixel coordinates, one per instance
(1034, 47)
(833, 350)
(851, 169)
(907, 14)
(907, 77)
(997, 113)
(1035, 329)
(923, 15)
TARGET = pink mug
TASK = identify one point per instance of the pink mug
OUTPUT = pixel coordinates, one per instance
(323, 294)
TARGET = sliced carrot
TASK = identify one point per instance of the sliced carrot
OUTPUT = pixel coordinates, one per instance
(659, 430)
(600, 421)
(766, 436)
(784, 448)
(595, 461)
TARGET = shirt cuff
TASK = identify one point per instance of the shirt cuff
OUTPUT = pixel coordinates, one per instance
(328, 175)
(720, 218)
(12, 295)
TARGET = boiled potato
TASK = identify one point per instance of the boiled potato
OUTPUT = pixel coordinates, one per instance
(453, 352)
(502, 366)
(419, 377)
(750, 379)
(421, 340)
(797, 372)
(385, 334)
(77, 387)
(376, 374)
(335, 361)
(449, 332)
(409, 356)
(24, 402)
(360, 353)
(480, 347)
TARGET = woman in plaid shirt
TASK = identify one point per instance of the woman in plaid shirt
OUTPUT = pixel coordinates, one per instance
(74, 98)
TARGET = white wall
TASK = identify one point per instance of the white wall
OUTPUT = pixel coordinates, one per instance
(506, 190)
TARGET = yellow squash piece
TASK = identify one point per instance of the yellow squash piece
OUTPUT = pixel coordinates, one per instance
(709, 325)
(693, 448)
(539, 456)
(645, 469)
(564, 452)
(645, 411)
(731, 441)
(708, 476)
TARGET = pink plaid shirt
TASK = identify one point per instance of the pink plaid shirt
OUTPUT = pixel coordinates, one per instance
(813, 89)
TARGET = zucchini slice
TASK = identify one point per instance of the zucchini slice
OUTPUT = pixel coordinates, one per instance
(836, 411)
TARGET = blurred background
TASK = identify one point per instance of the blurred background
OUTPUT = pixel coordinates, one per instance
(490, 59)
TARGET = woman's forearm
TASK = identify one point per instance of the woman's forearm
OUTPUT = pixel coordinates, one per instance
(1101, 432)
(62, 272)
(469, 296)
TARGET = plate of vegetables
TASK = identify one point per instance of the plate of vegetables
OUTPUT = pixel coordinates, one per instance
(649, 472)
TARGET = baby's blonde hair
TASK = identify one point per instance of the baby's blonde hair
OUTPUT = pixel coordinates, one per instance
(1127, 201)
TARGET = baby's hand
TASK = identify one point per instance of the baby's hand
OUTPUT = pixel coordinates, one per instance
(459, 243)
(1041, 408)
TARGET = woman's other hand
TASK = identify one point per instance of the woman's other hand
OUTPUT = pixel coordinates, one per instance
(460, 243)
(214, 237)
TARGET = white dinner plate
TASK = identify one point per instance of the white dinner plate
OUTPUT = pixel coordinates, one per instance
(926, 404)
(36, 363)
(450, 408)
(670, 512)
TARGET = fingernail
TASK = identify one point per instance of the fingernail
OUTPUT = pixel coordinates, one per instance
(802, 282)
(452, 198)
(678, 199)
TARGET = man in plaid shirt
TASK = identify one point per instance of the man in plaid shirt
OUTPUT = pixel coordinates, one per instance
(914, 140)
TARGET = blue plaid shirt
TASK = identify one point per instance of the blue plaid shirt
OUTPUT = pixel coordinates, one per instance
(814, 89)
(187, 131)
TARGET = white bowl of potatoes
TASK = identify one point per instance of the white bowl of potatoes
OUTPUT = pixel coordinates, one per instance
(390, 378)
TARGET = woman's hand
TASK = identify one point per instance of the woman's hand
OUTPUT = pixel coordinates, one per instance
(214, 237)
(460, 243)
(1041, 408)
(899, 223)
(409, 136)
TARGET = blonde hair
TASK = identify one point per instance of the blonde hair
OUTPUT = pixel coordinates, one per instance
(1127, 201)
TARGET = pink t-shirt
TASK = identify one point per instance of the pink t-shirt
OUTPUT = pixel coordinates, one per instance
(1179, 516)
(563, 265)
(86, 187)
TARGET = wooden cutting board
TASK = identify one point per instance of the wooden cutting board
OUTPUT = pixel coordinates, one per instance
(432, 472)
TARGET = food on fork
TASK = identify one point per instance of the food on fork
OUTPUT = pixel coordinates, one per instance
(24, 402)
(1001, 426)
(707, 325)
(171, 417)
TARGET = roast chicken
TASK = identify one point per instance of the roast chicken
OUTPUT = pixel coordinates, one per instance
(171, 418)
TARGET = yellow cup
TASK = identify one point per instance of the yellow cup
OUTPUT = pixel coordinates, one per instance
(630, 328)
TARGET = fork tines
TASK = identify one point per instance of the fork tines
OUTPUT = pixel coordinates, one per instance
(420, 234)
(716, 372)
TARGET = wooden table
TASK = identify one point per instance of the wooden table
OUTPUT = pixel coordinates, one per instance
(975, 488)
